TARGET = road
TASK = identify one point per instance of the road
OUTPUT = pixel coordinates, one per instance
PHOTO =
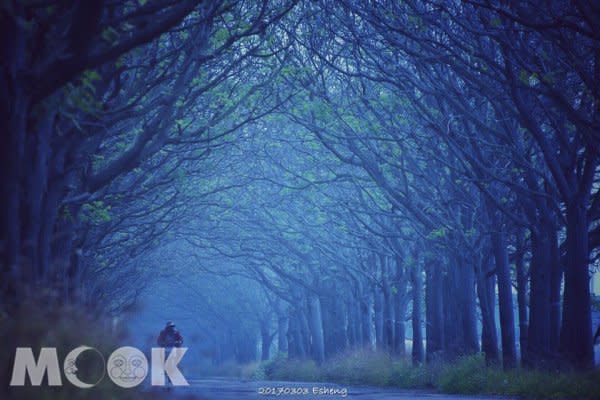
(229, 389)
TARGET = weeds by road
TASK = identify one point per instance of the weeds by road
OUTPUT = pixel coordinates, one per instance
(468, 375)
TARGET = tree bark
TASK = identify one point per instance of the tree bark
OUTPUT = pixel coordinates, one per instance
(538, 337)
(368, 329)
(378, 309)
(282, 334)
(521, 293)
(14, 104)
(266, 339)
(297, 346)
(435, 311)
(388, 307)
(316, 328)
(417, 312)
(505, 300)
(400, 299)
(576, 335)
(556, 276)
(468, 308)
(487, 303)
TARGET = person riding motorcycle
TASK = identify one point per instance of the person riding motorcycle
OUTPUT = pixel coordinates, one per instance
(170, 336)
(170, 339)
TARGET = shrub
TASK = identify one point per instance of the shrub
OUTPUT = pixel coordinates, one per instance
(250, 371)
(470, 375)
(467, 375)
(405, 375)
(360, 367)
(283, 369)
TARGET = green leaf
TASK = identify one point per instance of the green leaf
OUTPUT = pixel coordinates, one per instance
(96, 212)
(437, 233)
(221, 35)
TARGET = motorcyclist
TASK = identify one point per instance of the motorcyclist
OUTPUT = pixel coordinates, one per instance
(170, 336)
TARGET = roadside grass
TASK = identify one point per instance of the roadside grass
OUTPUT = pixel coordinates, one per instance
(468, 375)
(282, 369)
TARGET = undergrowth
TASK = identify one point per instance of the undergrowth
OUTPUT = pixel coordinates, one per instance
(467, 376)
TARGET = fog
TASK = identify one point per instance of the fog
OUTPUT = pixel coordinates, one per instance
(301, 184)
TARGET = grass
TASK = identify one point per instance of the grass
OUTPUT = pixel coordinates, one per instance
(359, 367)
(468, 375)
(282, 369)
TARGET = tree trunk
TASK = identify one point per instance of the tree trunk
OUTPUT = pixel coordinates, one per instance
(305, 332)
(576, 335)
(316, 328)
(538, 338)
(487, 303)
(400, 299)
(368, 329)
(468, 308)
(378, 309)
(14, 106)
(334, 320)
(505, 300)
(296, 343)
(435, 313)
(453, 337)
(282, 334)
(556, 276)
(388, 308)
(351, 324)
(35, 179)
(460, 329)
(266, 339)
(417, 312)
(359, 317)
(521, 293)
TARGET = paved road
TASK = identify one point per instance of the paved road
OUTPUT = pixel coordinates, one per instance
(228, 389)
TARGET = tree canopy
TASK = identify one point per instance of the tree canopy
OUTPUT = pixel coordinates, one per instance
(318, 173)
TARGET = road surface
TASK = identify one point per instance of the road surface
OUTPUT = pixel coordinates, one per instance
(229, 389)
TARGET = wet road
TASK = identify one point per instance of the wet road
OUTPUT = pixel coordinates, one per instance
(229, 389)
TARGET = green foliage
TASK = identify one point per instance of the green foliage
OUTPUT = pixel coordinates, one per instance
(110, 35)
(65, 214)
(467, 375)
(495, 22)
(96, 212)
(219, 37)
(438, 233)
(528, 78)
(81, 96)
